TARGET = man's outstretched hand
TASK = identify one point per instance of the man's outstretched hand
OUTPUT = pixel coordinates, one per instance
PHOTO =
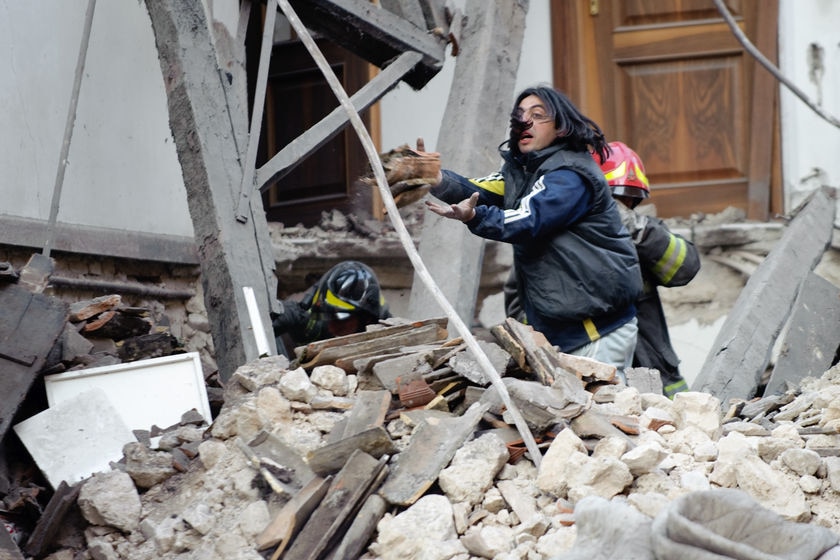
(463, 211)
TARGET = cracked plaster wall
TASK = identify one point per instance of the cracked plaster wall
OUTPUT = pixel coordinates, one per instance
(809, 56)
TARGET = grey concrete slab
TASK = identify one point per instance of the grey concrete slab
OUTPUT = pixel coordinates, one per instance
(812, 336)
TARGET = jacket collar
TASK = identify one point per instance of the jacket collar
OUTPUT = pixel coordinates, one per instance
(532, 160)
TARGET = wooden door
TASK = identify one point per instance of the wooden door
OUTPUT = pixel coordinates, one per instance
(670, 79)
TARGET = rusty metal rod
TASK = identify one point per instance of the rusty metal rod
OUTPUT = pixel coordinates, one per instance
(120, 287)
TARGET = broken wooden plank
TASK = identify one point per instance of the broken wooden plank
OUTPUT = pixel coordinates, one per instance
(812, 338)
(329, 458)
(402, 369)
(368, 412)
(512, 346)
(431, 447)
(364, 365)
(546, 362)
(84, 310)
(30, 325)
(742, 348)
(35, 276)
(294, 514)
(51, 520)
(269, 446)
(533, 344)
(349, 487)
(426, 333)
(358, 535)
(307, 352)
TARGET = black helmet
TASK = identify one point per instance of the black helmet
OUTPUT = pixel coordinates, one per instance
(349, 287)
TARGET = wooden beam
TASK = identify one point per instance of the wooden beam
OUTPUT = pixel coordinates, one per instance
(741, 351)
(375, 34)
(90, 240)
(246, 187)
(201, 117)
(346, 495)
(431, 447)
(30, 325)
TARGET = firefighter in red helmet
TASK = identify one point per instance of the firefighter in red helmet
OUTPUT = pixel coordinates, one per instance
(666, 258)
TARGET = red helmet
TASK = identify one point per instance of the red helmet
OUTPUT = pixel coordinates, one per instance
(625, 172)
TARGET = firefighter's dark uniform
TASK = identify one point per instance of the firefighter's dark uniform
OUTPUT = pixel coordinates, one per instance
(667, 259)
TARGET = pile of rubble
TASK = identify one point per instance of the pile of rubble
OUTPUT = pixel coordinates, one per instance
(407, 452)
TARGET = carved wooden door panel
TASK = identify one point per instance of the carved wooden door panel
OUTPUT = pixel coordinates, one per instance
(670, 79)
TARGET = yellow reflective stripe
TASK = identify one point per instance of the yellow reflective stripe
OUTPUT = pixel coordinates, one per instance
(641, 174)
(591, 330)
(674, 388)
(333, 300)
(493, 183)
(671, 261)
(619, 171)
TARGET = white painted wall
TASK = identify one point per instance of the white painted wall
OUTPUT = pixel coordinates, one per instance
(427, 106)
(122, 168)
(810, 144)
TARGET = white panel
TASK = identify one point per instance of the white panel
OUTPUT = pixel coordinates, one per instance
(76, 438)
(146, 392)
(263, 349)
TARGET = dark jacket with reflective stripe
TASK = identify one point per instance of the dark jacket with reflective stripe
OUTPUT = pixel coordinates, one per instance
(576, 267)
(667, 259)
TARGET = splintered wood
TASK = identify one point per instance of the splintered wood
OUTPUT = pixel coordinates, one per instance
(352, 347)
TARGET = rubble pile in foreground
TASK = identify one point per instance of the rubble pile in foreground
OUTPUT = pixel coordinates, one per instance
(209, 494)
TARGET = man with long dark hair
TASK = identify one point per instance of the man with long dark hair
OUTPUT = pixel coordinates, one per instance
(576, 268)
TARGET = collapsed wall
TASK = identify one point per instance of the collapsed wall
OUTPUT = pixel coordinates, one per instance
(486, 503)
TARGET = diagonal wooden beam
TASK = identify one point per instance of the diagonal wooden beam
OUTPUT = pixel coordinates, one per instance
(321, 133)
(246, 186)
(375, 34)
